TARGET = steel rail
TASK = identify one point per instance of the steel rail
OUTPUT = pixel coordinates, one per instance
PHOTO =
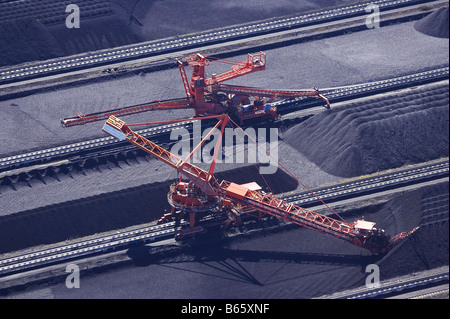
(372, 184)
(89, 247)
(33, 158)
(154, 48)
(364, 89)
(398, 286)
(404, 287)
(167, 230)
(285, 106)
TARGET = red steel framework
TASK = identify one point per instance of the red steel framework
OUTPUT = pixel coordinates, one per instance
(203, 193)
(207, 96)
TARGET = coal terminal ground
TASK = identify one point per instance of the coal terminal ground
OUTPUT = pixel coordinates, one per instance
(362, 137)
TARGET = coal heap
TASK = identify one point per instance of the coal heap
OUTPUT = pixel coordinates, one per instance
(435, 24)
(383, 133)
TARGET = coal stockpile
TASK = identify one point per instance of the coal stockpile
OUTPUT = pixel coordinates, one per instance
(377, 134)
(427, 248)
(155, 19)
(108, 211)
(31, 30)
(293, 263)
(363, 137)
(435, 24)
(30, 38)
(59, 222)
(96, 34)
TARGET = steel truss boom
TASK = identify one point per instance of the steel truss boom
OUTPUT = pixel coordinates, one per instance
(205, 94)
(204, 179)
(287, 94)
(81, 119)
(235, 197)
(350, 232)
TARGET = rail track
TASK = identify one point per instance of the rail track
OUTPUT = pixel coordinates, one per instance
(155, 233)
(88, 247)
(371, 185)
(364, 89)
(99, 145)
(108, 144)
(164, 46)
(408, 285)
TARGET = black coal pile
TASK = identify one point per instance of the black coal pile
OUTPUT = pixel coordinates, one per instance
(32, 31)
(427, 248)
(59, 222)
(111, 23)
(435, 24)
(108, 211)
(378, 134)
(30, 38)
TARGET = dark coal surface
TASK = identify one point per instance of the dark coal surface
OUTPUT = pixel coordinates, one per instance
(26, 40)
(113, 192)
(95, 34)
(155, 19)
(73, 219)
(33, 30)
(32, 122)
(288, 264)
(427, 208)
(104, 212)
(435, 24)
(294, 263)
(377, 134)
